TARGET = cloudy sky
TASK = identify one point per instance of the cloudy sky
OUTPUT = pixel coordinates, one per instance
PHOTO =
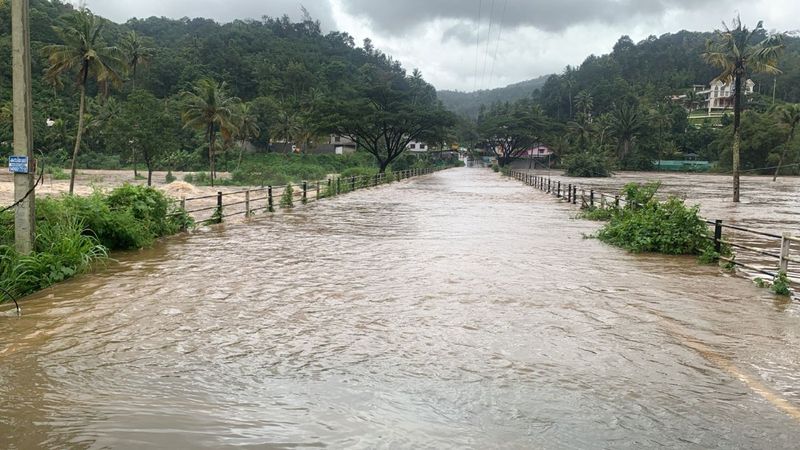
(479, 44)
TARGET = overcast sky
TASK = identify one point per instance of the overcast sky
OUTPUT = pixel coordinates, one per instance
(479, 44)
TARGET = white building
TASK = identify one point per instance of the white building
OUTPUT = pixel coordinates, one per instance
(417, 147)
(719, 96)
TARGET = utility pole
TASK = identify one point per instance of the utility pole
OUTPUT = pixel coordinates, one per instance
(24, 220)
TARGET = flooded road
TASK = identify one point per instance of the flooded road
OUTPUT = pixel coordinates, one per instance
(457, 310)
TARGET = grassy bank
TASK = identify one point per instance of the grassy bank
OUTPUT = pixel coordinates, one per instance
(74, 233)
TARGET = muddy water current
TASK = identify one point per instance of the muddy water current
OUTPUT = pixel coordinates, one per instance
(456, 310)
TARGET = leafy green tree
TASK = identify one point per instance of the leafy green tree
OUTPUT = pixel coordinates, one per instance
(789, 116)
(510, 130)
(211, 110)
(145, 121)
(736, 51)
(83, 49)
(384, 110)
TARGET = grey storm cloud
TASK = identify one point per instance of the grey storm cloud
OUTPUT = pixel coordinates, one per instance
(397, 17)
(220, 10)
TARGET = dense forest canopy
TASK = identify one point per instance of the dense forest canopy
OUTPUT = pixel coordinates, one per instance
(281, 71)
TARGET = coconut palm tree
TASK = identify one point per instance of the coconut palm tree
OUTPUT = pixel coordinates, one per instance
(135, 54)
(790, 115)
(737, 51)
(210, 109)
(83, 49)
(627, 121)
(246, 128)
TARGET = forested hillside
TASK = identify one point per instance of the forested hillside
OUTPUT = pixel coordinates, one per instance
(280, 75)
(469, 103)
(654, 69)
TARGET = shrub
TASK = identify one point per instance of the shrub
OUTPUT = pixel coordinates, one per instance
(170, 177)
(287, 199)
(646, 225)
(587, 165)
(780, 284)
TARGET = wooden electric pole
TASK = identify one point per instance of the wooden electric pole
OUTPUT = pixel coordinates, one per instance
(24, 221)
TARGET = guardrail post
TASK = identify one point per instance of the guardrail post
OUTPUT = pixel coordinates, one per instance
(591, 198)
(183, 203)
(375, 180)
(219, 206)
(549, 185)
(558, 190)
(353, 183)
(247, 203)
(574, 195)
(718, 236)
(305, 192)
(338, 185)
(786, 244)
(616, 201)
(270, 200)
(317, 197)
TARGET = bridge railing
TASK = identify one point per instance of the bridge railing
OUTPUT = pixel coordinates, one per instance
(215, 208)
(758, 252)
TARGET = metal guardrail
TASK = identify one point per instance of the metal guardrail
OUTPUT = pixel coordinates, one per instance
(779, 246)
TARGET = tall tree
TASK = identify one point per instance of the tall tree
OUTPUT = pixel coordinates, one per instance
(384, 110)
(211, 110)
(736, 51)
(83, 49)
(790, 116)
(509, 130)
(136, 54)
(627, 122)
(246, 128)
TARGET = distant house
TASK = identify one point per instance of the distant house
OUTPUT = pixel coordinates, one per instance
(715, 98)
(538, 151)
(719, 96)
(336, 145)
(417, 147)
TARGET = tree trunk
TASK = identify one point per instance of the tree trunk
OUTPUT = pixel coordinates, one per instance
(211, 140)
(383, 165)
(133, 158)
(737, 115)
(77, 140)
(149, 176)
(241, 151)
(783, 153)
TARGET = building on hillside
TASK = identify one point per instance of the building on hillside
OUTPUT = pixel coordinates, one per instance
(715, 98)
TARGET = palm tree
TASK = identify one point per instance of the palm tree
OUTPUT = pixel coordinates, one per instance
(790, 115)
(584, 103)
(210, 109)
(735, 51)
(627, 122)
(135, 54)
(83, 49)
(246, 128)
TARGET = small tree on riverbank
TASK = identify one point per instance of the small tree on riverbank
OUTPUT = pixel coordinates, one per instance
(210, 109)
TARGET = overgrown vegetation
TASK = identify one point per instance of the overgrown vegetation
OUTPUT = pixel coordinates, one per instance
(75, 232)
(645, 224)
(587, 165)
(287, 199)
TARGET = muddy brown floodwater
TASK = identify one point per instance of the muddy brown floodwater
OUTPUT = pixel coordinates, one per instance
(458, 310)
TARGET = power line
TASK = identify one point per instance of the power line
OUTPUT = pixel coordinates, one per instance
(488, 40)
(477, 45)
(497, 47)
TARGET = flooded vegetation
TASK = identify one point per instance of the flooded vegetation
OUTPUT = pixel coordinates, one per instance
(461, 309)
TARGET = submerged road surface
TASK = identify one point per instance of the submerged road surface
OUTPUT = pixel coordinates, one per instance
(460, 309)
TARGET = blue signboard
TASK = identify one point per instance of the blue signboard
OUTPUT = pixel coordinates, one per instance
(18, 164)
